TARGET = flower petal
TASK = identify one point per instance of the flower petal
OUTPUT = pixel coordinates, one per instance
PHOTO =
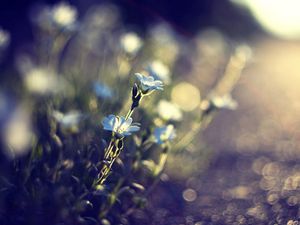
(128, 122)
(139, 76)
(133, 128)
(108, 122)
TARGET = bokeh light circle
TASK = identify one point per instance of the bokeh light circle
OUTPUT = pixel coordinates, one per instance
(186, 96)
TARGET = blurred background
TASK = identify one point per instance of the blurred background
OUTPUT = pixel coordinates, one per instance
(253, 172)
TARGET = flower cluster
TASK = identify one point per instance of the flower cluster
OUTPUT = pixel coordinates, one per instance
(79, 142)
(123, 126)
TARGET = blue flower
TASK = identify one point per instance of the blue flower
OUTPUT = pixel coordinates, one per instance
(164, 134)
(159, 71)
(102, 90)
(120, 125)
(147, 84)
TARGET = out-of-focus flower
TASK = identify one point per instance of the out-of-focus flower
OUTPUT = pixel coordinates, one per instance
(169, 111)
(211, 43)
(225, 102)
(4, 38)
(59, 16)
(18, 134)
(159, 71)
(7, 105)
(147, 84)
(165, 46)
(68, 120)
(102, 90)
(219, 102)
(164, 134)
(119, 125)
(95, 29)
(40, 80)
(64, 14)
(131, 43)
(102, 17)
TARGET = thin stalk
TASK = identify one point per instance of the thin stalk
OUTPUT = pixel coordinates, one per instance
(157, 172)
(105, 210)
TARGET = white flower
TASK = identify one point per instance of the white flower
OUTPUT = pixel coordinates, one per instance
(64, 14)
(148, 83)
(159, 71)
(169, 111)
(224, 102)
(60, 16)
(18, 133)
(164, 134)
(4, 38)
(69, 119)
(131, 43)
(119, 125)
(41, 80)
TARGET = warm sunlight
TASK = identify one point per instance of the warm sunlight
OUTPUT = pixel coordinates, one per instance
(280, 17)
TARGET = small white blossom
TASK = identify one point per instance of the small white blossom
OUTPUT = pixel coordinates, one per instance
(18, 133)
(131, 43)
(61, 15)
(64, 14)
(119, 125)
(148, 84)
(164, 134)
(69, 119)
(219, 102)
(169, 111)
(41, 80)
(224, 102)
(4, 38)
(159, 71)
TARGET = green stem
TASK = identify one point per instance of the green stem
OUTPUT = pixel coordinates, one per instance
(112, 199)
(157, 172)
(129, 113)
(187, 139)
(108, 161)
(109, 148)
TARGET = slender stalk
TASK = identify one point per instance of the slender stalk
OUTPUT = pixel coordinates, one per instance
(105, 210)
(109, 148)
(108, 161)
(193, 132)
(157, 172)
(162, 162)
